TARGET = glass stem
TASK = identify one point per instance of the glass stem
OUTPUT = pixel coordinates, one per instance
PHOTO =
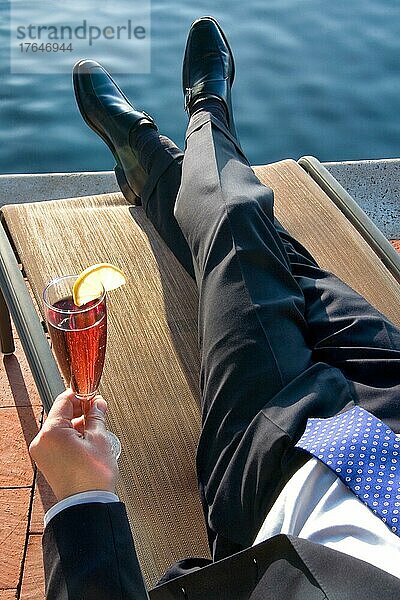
(86, 405)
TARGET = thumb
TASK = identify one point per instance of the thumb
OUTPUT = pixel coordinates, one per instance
(96, 416)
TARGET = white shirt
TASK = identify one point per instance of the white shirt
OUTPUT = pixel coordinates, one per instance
(316, 505)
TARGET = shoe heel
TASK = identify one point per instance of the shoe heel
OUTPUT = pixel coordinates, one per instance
(128, 193)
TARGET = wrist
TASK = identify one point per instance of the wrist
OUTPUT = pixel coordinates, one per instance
(77, 477)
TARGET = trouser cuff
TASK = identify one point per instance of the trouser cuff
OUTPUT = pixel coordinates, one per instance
(160, 165)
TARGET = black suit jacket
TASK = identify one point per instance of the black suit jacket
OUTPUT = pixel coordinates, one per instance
(89, 555)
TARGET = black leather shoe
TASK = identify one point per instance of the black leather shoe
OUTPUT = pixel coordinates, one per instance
(109, 113)
(208, 67)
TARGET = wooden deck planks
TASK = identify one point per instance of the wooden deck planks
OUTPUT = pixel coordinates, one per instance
(20, 417)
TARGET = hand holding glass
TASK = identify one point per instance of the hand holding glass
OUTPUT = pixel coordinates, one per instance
(79, 336)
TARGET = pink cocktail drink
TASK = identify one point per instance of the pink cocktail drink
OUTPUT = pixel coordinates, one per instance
(79, 336)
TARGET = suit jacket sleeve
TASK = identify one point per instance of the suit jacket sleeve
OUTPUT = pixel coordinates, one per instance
(89, 553)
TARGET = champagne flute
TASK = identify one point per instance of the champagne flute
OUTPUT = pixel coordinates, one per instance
(79, 336)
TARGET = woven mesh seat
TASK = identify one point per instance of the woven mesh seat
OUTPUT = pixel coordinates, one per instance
(151, 373)
(312, 218)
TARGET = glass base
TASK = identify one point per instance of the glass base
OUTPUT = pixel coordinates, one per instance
(115, 444)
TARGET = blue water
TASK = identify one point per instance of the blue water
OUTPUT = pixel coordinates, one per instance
(313, 77)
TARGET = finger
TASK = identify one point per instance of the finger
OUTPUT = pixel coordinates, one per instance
(64, 406)
(77, 405)
(101, 403)
(78, 424)
(95, 418)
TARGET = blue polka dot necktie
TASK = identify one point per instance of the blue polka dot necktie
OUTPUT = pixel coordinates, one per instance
(363, 452)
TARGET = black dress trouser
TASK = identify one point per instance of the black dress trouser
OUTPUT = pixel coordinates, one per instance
(281, 340)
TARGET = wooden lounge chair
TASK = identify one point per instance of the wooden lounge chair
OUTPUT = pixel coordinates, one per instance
(151, 374)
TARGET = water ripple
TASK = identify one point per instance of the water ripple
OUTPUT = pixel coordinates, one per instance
(312, 78)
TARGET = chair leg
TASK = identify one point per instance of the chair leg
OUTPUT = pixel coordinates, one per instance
(6, 337)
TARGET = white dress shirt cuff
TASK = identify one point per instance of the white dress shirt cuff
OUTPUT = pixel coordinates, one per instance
(82, 498)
